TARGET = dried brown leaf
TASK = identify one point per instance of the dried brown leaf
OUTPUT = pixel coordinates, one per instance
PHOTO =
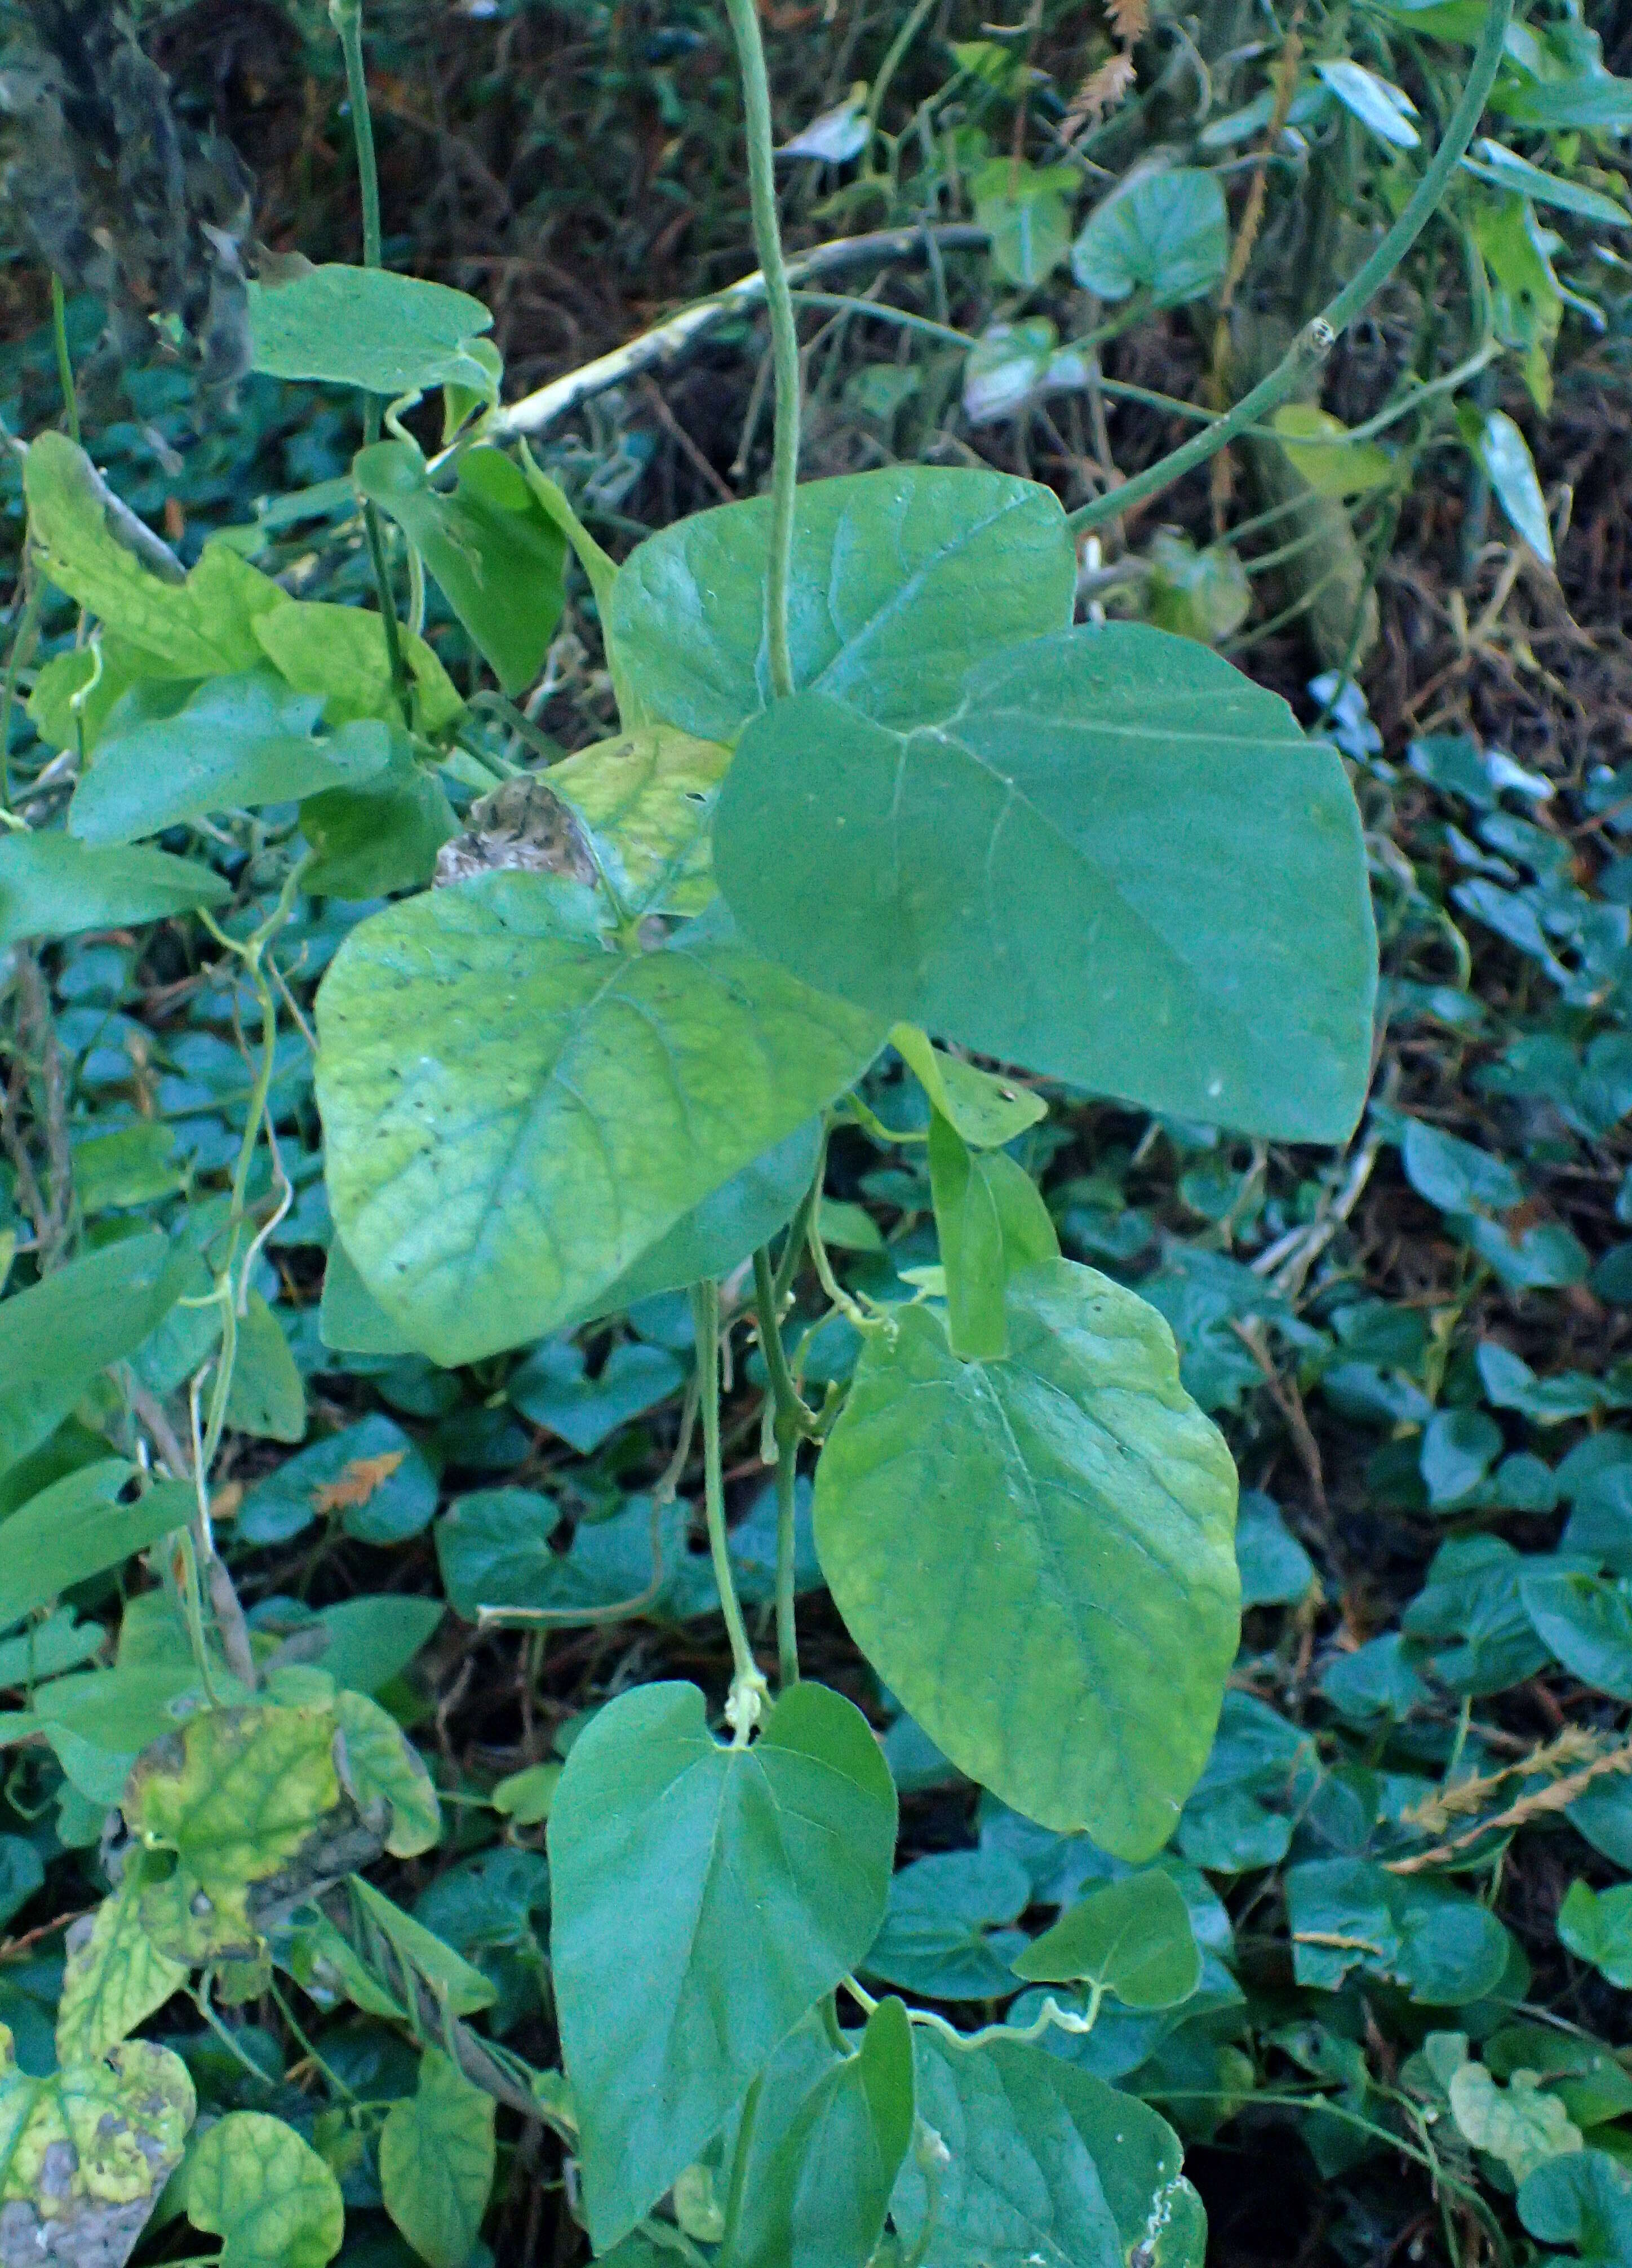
(358, 1482)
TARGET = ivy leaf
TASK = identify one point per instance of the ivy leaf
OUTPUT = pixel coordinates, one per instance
(235, 743)
(1597, 1927)
(703, 1899)
(1520, 2123)
(1586, 1623)
(369, 326)
(87, 2151)
(95, 549)
(1166, 234)
(561, 1107)
(1583, 2198)
(113, 1979)
(901, 578)
(437, 2156)
(818, 2197)
(1024, 210)
(242, 1816)
(52, 886)
(1348, 1913)
(934, 1943)
(253, 2181)
(1045, 2167)
(1120, 863)
(497, 555)
(1132, 1939)
(78, 1528)
(1068, 1516)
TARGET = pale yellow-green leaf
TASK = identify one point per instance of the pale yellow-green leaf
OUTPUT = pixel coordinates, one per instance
(341, 653)
(649, 795)
(437, 2156)
(253, 2181)
(1519, 2123)
(113, 1979)
(1319, 448)
(378, 1760)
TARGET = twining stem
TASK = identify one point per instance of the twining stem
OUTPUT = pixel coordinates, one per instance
(791, 1416)
(747, 1690)
(64, 360)
(347, 18)
(745, 25)
(1314, 342)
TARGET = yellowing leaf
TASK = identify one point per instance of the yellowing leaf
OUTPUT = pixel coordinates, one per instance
(84, 2153)
(649, 795)
(253, 2181)
(1319, 448)
(114, 1978)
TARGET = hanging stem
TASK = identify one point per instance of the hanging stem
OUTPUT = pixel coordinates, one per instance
(748, 1689)
(347, 18)
(64, 360)
(792, 1420)
(1315, 342)
(745, 24)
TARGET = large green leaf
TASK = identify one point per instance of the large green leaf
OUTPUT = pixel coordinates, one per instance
(491, 546)
(95, 549)
(704, 1898)
(57, 1336)
(390, 334)
(51, 886)
(901, 578)
(1120, 862)
(253, 2181)
(559, 1107)
(437, 2156)
(1046, 2167)
(1036, 1554)
(78, 1528)
(84, 2153)
(820, 2179)
(238, 742)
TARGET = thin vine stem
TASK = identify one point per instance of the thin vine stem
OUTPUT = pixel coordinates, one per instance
(791, 1421)
(747, 1690)
(1315, 342)
(64, 360)
(745, 25)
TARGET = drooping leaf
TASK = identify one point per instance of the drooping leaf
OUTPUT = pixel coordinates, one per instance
(78, 1528)
(632, 1087)
(650, 795)
(93, 548)
(818, 2196)
(1046, 2166)
(1319, 448)
(491, 547)
(1504, 169)
(84, 2153)
(1505, 455)
(241, 1815)
(969, 1231)
(901, 578)
(389, 334)
(986, 1111)
(52, 886)
(265, 1398)
(1383, 109)
(1132, 1939)
(704, 1897)
(1121, 863)
(112, 1978)
(437, 2156)
(235, 743)
(1167, 234)
(253, 2181)
(1068, 1516)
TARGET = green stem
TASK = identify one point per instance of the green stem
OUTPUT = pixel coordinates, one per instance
(747, 1691)
(64, 361)
(21, 644)
(745, 25)
(894, 59)
(1315, 342)
(792, 1418)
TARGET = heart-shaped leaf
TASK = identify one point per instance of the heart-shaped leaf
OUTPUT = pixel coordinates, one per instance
(253, 2181)
(112, 1978)
(1131, 1937)
(1119, 862)
(703, 1899)
(436, 2155)
(901, 578)
(367, 327)
(560, 1108)
(1036, 1554)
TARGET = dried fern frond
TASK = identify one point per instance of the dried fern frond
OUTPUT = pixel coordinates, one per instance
(1101, 91)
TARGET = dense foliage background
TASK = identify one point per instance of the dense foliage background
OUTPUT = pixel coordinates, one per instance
(1406, 1864)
